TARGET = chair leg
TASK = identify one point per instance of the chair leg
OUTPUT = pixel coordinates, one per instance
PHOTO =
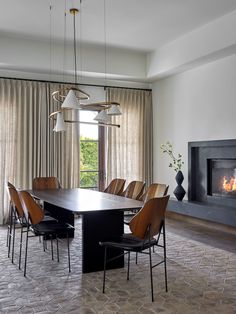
(136, 258)
(57, 250)
(52, 247)
(150, 262)
(44, 243)
(104, 271)
(9, 229)
(164, 245)
(128, 265)
(21, 240)
(8, 232)
(13, 241)
(26, 250)
(68, 247)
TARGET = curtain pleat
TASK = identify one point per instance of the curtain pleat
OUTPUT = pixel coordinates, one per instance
(129, 148)
(29, 148)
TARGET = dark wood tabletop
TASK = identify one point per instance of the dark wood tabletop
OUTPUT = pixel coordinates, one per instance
(84, 201)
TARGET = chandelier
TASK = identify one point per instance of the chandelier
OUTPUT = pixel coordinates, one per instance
(72, 99)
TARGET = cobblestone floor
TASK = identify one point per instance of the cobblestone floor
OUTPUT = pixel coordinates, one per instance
(201, 278)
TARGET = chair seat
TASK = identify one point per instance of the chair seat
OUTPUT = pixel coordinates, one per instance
(50, 227)
(129, 242)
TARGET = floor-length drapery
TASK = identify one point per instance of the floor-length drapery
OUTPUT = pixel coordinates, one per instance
(129, 148)
(28, 147)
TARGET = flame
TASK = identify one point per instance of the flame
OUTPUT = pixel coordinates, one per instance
(229, 185)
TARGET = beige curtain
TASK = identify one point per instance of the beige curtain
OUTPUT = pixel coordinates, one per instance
(29, 148)
(129, 148)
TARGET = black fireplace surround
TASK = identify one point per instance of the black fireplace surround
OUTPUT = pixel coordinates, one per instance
(211, 185)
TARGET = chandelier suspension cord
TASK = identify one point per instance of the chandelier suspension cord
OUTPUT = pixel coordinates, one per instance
(50, 44)
(64, 43)
(75, 59)
(105, 41)
(80, 74)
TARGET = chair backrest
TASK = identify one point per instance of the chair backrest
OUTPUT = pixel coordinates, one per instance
(46, 183)
(36, 213)
(15, 200)
(155, 190)
(134, 190)
(116, 187)
(10, 185)
(151, 214)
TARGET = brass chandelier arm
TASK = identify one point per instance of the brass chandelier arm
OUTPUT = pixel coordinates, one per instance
(53, 114)
(98, 106)
(60, 94)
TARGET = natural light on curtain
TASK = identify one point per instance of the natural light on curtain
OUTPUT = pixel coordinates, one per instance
(129, 149)
(29, 148)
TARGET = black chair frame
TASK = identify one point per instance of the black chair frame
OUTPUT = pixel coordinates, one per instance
(48, 230)
(15, 221)
(142, 245)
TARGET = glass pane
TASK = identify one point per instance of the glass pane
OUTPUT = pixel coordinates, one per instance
(88, 179)
(88, 131)
(88, 155)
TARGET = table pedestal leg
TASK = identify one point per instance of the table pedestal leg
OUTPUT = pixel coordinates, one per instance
(97, 227)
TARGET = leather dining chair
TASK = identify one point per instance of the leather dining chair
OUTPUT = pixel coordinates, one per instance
(116, 186)
(146, 227)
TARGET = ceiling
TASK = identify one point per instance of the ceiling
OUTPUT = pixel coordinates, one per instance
(132, 24)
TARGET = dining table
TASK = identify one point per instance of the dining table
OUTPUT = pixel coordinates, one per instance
(102, 217)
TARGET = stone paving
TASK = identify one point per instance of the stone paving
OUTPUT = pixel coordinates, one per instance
(201, 278)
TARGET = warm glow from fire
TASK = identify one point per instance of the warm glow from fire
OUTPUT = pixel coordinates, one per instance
(229, 185)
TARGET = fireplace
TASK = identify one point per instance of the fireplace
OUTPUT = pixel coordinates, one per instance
(221, 177)
(211, 182)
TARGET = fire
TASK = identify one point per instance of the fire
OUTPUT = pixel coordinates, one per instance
(229, 185)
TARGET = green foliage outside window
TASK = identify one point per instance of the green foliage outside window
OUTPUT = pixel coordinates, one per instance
(88, 162)
(88, 179)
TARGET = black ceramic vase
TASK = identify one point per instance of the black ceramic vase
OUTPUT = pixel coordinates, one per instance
(179, 191)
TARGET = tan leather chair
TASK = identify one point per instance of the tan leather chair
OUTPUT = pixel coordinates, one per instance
(46, 183)
(116, 187)
(134, 190)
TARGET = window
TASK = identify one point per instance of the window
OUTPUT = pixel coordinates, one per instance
(90, 152)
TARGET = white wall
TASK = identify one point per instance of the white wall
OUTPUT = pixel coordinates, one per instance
(199, 104)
